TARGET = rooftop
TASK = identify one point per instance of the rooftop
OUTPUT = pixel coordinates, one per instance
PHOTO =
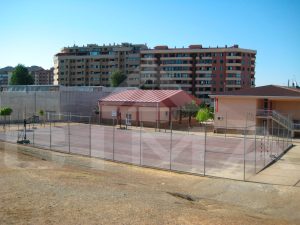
(264, 91)
(170, 98)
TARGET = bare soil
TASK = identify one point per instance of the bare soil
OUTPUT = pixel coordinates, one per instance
(43, 187)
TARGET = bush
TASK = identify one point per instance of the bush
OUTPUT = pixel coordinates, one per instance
(204, 114)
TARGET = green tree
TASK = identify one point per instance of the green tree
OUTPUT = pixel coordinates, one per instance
(42, 113)
(6, 111)
(21, 76)
(204, 114)
(117, 78)
(190, 110)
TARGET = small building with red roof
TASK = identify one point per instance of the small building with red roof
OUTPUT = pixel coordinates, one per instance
(148, 106)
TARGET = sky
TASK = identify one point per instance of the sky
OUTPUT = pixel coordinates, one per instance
(32, 31)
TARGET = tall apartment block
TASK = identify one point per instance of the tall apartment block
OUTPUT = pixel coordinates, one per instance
(92, 65)
(199, 71)
(43, 77)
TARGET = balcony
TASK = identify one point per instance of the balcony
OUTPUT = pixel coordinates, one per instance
(179, 71)
(174, 65)
(148, 65)
(174, 78)
(280, 118)
(203, 78)
(234, 57)
(203, 85)
(233, 78)
(233, 85)
(203, 92)
(174, 58)
(233, 64)
(174, 85)
(203, 64)
(148, 71)
(206, 57)
(203, 72)
(148, 59)
(234, 71)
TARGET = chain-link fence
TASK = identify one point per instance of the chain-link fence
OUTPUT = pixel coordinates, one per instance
(231, 152)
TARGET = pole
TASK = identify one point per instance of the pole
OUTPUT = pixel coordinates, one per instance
(268, 137)
(141, 124)
(272, 124)
(204, 156)
(69, 132)
(50, 132)
(157, 116)
(33, 136)
(255, 150)
(113, 138)
(171, 145)
(226, 126)
(264, 144)
(18, 124)
(24, 129)
(90, 136)
(245, 135)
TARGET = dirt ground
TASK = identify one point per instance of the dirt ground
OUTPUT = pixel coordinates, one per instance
(43, 187)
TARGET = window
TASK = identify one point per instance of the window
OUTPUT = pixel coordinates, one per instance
(94, 53)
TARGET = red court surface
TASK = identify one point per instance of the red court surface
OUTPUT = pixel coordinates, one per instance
(229, 157)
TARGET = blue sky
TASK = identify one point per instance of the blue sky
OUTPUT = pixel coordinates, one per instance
(32, 31)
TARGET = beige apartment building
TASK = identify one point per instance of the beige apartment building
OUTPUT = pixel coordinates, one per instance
(198, 70)
(43, 77)
(92, 65)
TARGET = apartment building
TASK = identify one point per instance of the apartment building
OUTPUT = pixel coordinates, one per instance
(198, 70)
(92, 65)
(43, 77)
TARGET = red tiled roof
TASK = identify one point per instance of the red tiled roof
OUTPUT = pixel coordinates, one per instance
(170, 98)
(264, 91)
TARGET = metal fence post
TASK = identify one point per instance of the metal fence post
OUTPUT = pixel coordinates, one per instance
(113, 138)
(33, 136)
(278, 137)
(226, 126)
(245, 153)
(50, 131)
(255, 150)
(286, 138)
(171, 128)
(272, 135)
(90, 137)
(69, 132)
(204, 156)
(18, 125)
(264, 133)
(141, 125)
(268, 136)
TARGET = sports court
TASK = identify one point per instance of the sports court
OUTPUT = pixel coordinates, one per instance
(202, 152)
